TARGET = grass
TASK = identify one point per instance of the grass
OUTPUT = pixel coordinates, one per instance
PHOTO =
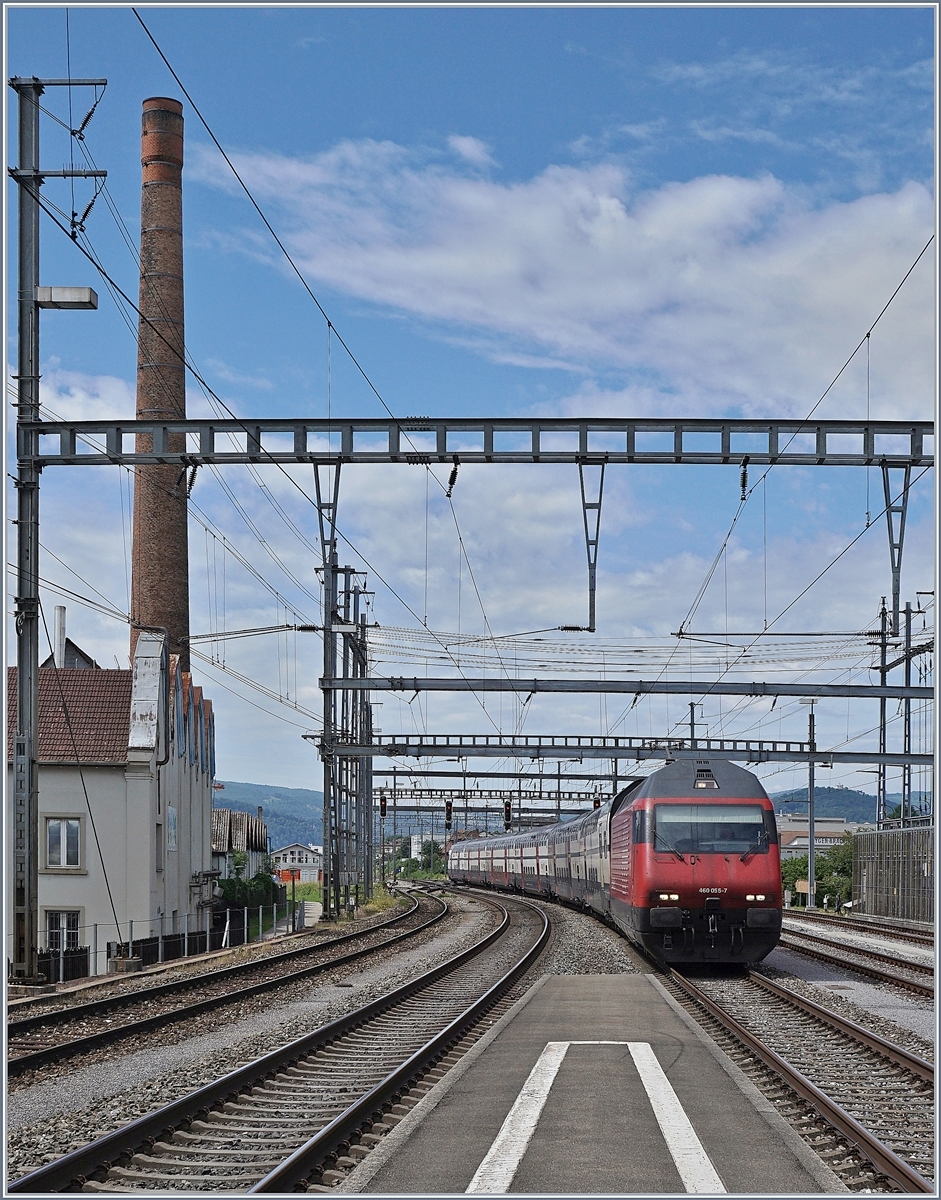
(305, 891)
(381, 901)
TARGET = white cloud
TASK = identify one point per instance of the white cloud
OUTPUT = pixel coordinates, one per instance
(728, 293)
(471, 149)
(77, 397)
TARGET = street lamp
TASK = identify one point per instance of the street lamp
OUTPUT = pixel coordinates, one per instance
(811, 839)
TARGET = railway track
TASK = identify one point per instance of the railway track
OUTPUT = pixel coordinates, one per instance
(317, 1104)
(888, 968)
(919, 934)
(865, 1105)
(51, 1036)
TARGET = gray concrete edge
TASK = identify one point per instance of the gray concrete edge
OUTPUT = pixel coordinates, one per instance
(393, 1142)
(814, 1166)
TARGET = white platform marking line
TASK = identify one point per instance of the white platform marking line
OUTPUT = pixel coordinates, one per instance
(495, 1173)
(502, 1160)
(692, 1161)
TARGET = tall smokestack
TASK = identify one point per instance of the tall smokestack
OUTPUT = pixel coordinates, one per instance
(160, 568)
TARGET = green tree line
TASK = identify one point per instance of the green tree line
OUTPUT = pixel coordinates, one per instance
(833, 870)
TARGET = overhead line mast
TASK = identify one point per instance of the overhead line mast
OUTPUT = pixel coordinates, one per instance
(24, 968)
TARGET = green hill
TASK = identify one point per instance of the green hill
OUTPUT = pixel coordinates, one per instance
(291, 814)
(845, 802)
(829, 802)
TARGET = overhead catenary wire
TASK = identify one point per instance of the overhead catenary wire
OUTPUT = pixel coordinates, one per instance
(746, 495)
(331, 328)
(810, 585)
(98, 266)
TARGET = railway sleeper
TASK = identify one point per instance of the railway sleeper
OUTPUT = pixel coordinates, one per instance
(185, 1174)
(154, 1160)
(241, 1152)
(105, 1186)
(241, 1126)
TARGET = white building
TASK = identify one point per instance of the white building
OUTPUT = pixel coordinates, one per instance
(126, 760)
(794, 835)
(308, 860)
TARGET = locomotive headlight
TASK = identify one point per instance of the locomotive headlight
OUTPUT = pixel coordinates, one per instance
(674, 895)
(666, 896)
(760, 897)
(749, 897)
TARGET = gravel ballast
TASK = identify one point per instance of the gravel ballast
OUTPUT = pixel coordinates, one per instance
(48, 1117)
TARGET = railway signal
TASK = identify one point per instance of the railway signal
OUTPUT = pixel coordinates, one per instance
(596, 802)
(448, 805)
(507, 814)
(382, 806)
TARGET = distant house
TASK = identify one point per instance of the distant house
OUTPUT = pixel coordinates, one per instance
(308, 860)
(794, 835)
(236, 833)
(126, 760)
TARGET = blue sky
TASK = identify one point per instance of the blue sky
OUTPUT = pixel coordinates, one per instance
(656, 211)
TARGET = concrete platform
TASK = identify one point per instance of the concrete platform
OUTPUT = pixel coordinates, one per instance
(594, 1084)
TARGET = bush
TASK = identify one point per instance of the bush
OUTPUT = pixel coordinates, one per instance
(249, 893)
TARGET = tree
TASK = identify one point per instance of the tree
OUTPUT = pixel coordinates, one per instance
(432, 856)
(793, 869)
(833, 870)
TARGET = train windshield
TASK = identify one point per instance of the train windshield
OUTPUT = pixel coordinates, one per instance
(710, 828)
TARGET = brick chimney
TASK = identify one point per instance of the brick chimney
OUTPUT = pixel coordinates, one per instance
(160, 559)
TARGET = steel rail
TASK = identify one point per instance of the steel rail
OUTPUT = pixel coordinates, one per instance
(923, 989)
(304, 1160)
(108, 1003)
(884, 1159)
(858, 924)
(892, 959)
(897, 1054)
(75, 1168)
(22, 1063)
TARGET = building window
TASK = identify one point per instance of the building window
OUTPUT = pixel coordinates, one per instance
(61, 925)
(62, 842)
(171, 827)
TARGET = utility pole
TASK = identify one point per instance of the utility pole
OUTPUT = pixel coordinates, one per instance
(883, 673)
(907, 722)
(25, 957)
(811, 832)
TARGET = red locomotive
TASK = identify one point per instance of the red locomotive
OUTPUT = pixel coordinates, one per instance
(685, 862)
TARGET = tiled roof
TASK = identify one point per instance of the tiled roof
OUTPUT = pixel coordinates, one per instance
(99, 708)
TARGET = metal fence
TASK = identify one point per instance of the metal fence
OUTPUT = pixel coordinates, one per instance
(893, 873)
(60, 965)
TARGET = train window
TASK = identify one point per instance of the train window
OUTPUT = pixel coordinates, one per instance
(710, 828)
(638, 826)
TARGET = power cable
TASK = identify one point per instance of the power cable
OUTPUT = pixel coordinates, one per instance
(747, 492)
(331, 328)
(93, 259)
